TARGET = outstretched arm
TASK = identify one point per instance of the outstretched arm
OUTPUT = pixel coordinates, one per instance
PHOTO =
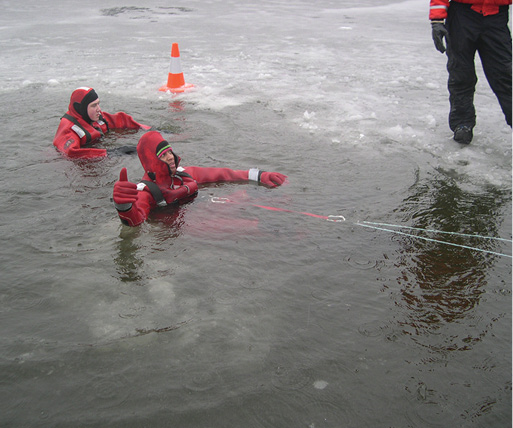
(217, 175)
(122, 120)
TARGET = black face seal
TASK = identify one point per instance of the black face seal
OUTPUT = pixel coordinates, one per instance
(81, 107)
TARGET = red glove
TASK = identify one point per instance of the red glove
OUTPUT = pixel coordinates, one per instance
(272, 179)
(183, 193)
(125, 193)
(192, 187)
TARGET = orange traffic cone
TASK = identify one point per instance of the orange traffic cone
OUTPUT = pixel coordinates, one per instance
(175, 80)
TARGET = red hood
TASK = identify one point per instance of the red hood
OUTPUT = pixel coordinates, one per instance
(154, 169)
(80, 99)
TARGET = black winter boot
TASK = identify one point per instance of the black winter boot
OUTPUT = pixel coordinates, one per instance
(463, 134)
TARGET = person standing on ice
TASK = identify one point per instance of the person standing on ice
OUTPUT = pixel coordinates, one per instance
(166, 183)
(84, 123)
(469, 26)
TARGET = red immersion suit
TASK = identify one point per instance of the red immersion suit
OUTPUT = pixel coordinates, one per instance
(76, 130)
(159, 188)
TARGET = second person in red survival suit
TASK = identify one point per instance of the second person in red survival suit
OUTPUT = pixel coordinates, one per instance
(166, 183)
(85, 123)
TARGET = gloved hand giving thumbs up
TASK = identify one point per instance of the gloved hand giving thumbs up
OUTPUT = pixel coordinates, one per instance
(125, 192)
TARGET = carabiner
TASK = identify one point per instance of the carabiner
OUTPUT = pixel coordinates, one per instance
(218, 200)
(336, 218)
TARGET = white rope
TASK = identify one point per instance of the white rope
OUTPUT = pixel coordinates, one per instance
(437, 231)
(432, 240)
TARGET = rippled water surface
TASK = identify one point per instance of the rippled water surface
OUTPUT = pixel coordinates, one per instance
(255, 312)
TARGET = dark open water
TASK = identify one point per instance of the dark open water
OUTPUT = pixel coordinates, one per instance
(231, 315)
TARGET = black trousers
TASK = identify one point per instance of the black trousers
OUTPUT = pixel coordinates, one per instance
(469, 31)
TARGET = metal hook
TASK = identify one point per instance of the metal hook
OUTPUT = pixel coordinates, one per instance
(336, 218)
(219, 200)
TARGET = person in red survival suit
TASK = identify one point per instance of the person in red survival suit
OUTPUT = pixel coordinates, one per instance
(166, 183)
(85, 123)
